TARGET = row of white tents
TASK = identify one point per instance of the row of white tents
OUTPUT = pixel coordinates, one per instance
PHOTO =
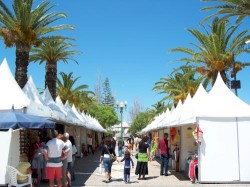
(31, 102)
(28, 100)
(224, 151)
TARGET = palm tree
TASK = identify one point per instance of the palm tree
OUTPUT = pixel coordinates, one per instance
(24, 28)
(179, 84)
(85, 99)
(229, 8)
(52, 52)
(216, 50)
(66, 90)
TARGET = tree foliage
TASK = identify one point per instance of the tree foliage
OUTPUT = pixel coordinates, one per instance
(229, 8)
(24, 27)
(52, 52)
(177, 86)
(68, 91)
(107, 98)
(140, 122)
(106, 115)
(216, 50)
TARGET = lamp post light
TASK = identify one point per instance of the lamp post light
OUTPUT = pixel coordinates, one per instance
(122, 106)
(235, 84)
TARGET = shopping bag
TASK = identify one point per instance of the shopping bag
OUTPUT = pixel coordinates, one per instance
(100, 168)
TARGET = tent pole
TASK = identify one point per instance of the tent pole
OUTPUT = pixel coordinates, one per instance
(237, 130)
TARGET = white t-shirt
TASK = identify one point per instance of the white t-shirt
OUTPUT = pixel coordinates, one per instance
(69, 145)
(89, 141)
(54, 149)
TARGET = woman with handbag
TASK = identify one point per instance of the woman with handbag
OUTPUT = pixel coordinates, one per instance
(108, 156)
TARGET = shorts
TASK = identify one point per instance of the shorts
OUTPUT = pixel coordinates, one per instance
(53, 173)
(107, 165)
(69, 166)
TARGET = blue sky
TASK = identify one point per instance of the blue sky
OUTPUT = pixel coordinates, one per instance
(127, 41)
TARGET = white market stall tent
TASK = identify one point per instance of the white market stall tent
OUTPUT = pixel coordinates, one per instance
(225, 121)
(11, 94)
(225, 150)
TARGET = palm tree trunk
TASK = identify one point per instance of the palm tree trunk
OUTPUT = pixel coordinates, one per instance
(22, 62)
(51, 78)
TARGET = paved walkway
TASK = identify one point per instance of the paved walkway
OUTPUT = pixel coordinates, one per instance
(87, 174)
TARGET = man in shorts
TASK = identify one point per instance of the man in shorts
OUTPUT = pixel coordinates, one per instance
(52, 153)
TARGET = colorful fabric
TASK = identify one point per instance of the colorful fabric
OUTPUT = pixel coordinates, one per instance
(142, 157)
(192, 169)
(154, 146)
(198, 134)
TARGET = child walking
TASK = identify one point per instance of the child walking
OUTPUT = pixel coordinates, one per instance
(127, 165)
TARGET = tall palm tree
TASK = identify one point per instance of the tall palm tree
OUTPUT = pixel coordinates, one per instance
(229, 8)
(24, 28)
(66, 89)
(51, 52)
(217, 50)
(179, 84)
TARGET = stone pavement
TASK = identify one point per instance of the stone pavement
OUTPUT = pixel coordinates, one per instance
(87, 174)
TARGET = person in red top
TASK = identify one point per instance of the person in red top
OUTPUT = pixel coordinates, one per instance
(164, 151)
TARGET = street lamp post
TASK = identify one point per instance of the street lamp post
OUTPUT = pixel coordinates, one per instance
(235, 84)
(121, 106)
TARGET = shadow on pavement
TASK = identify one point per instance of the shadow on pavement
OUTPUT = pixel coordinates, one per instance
(85, 167)
(179, 175)
(151, 177)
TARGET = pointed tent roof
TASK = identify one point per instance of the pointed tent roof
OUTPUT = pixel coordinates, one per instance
(11, 94)
(31, 91)
(222, 102)
(188, 115)
(57, 113)
(165, 116)
(79, 116)
(37, 106)
(68, 108)
(175, 115)
(59, 103)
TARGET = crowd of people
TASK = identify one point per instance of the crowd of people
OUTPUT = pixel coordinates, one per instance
(146, 149)
(54, 160)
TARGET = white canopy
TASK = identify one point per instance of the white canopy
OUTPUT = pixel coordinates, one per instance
(79, 116)
(60, 104)
(188, 113)
(37, 106)
(76, 120)
(221, 102)
(11, 94)
(57, 112)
